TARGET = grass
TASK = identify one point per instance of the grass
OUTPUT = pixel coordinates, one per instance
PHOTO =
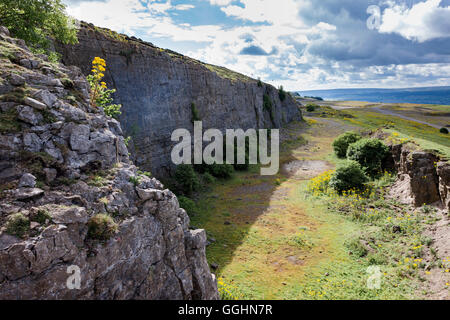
(427, 137)
(315, 246)
(9, 122)
(102, 227)
(227, 73)
(18, 225)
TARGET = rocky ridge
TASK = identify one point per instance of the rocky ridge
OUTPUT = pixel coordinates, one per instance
(62, 163)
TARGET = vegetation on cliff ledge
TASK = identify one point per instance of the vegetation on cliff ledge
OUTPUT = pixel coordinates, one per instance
(38, 22)
(100, 94)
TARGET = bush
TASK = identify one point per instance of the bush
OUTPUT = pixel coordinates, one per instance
(17, 225)
(281, 94)
(444, 130)
(189, 205)
(342, 143)
(186, 179)
(208, 178)
(102, 227)
(42, 216)
(260, 84)
(194, 111)
(37, 22)
(311, 107)
(347, 177)
(222, 171)
(369, 153)
(267, 103)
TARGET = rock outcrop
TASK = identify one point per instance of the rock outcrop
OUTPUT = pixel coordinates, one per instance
(157, 87)
(64, 163)
(423, 178)
(443, 171)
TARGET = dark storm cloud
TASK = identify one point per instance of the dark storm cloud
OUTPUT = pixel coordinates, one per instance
(254, 51)
(355, 44)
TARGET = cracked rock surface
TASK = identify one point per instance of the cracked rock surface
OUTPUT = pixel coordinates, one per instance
(63, 162)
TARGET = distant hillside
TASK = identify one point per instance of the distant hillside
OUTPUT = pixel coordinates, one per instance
(425, 95)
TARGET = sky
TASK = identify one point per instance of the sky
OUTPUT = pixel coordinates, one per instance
(300, 44)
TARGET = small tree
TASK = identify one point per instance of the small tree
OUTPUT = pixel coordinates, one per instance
(370, 154)
(282, 93)
(100, 94)
(222, 171)
(348, 176)
(35, 21)
(311, 107)
(341, 144)
(189, 205)
(186, 179)
(260, 84)
(194, 111)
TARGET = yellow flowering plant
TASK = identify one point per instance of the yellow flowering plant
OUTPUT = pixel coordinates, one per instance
(100, 94)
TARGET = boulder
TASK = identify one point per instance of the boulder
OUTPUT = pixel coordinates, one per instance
(27, 114)
(16, 80)
(79, 138)
(27, 181)
(46, 97)
(34, 103)
(28, 193)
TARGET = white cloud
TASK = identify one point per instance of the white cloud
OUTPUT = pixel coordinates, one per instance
(278, 29)
(220, 2)
(273, 11)
(423, 21)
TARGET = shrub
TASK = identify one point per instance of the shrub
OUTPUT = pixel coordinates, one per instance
(281, 94)
(208, 178)
(311, 107)
(369, 153)
(260, 84)
(135, 180)
(244, 166)
(194, 111)
(17, 225)
(101, 227)
(348, 176)
(189, 205)
(186, 179)
(42, 216)
(342, 142)
(267, 103)
(444, 130)
(223, 171)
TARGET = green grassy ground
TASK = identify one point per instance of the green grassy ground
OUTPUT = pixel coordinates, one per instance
(277, 240)
(427, 137)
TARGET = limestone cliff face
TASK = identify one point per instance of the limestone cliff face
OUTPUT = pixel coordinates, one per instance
(70, 198)
(156, 88)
